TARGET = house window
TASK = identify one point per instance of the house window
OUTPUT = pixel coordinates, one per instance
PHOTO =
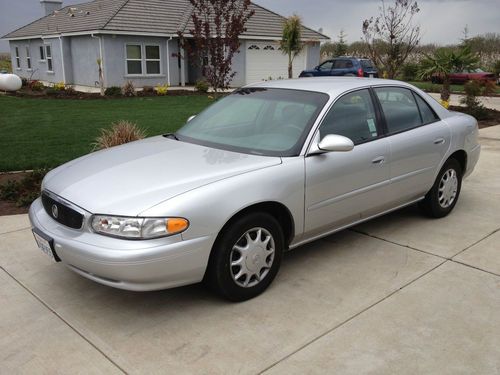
(143, 59)
(28, 57)
(42, 53)
(134, 59)
(253, 46)
(152, 59)
(18, 59)
(48, 55)
(269, 48)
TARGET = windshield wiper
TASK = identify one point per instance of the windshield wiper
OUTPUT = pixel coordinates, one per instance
(171, 136)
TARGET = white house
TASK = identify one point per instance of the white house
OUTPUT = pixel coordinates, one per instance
(137, 41)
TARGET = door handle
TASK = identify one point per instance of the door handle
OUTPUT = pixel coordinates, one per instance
(439, 141)
(379, 160)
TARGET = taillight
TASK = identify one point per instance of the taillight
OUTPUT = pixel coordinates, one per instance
(360, 72)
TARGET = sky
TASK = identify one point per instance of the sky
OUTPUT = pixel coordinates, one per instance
(441, 21)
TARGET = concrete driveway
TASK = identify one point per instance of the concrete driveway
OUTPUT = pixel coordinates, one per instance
(401, 294)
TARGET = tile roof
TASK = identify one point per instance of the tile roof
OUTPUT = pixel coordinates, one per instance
(145, 16)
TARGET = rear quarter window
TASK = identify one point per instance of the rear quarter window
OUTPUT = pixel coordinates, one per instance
(428, 114)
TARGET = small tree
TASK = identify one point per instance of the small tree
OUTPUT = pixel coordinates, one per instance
(391, 36)
(291, 43)
(445, 61)
(217, 26)
(341, 46)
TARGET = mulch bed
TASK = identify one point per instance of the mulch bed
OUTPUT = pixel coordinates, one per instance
(27, 93)
(492, 116)
(10, 208)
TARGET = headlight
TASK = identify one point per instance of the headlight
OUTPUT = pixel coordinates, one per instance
(138, 227)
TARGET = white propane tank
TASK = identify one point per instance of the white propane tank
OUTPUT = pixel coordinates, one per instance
(10, 82)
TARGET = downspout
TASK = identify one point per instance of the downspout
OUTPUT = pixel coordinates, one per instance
(168, 61)
(100, 57)
(62, 60)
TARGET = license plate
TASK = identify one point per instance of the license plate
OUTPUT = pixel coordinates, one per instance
(371, 75)
(45, 244)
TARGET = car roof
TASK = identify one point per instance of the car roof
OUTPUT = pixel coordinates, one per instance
(336, 86)
(332, 86)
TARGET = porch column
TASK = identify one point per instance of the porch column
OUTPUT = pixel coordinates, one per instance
(183, 66)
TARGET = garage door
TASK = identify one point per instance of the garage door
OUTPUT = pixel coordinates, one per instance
(266, 60)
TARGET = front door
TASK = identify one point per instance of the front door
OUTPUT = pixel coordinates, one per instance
(342, 185)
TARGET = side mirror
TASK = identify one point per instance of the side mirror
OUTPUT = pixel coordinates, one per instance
(190, 118)
(332, 143)
(316, 67)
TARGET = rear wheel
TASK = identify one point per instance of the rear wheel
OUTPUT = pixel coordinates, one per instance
(443, 196)
(246, 258)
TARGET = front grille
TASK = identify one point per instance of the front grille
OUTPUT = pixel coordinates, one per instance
(62, 213)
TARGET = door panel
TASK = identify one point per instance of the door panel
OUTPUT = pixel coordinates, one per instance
(342, 185)
(415, 158)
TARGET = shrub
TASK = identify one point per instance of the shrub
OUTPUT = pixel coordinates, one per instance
(70, 90)
(496, 68)
(36, 86)
(147, 91)
(120, 133)
(473, 89)
(9, 190)
(162, 90)
(202, 86)
(51, 91)
(410, 72)
(129, 89)
(113, 91)
(59, 86)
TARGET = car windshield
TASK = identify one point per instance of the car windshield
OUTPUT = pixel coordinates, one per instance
(263, 121)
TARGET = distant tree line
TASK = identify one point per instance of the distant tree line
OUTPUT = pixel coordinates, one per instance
(486, 46)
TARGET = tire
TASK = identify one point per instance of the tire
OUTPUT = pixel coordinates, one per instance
(443, 196)
(259, 260)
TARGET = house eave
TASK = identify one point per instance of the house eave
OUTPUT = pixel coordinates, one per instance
(139, 33)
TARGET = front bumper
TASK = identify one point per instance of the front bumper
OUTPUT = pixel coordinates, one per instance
(132, 265)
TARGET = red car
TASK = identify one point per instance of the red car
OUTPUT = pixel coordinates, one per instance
(462, 77)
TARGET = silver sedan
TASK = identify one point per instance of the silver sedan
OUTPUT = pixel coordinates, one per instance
(266, 169)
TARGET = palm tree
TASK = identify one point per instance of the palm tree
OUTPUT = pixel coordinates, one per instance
(445, 61)
(291, 44)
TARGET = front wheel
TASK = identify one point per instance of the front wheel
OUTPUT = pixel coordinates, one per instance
(246, 258)
(443, 196)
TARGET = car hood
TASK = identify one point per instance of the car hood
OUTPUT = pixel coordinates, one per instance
(129, 179)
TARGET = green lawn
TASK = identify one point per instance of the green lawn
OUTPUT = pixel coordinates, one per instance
(432, 87)
(38, 133)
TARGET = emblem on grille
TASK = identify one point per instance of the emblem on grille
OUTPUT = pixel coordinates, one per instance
(55, 211)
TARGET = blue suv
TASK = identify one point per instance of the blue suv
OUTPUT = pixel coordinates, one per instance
(343, 66)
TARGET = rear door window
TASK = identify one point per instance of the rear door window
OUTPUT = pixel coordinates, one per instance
(400, 109)
(342, 64)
